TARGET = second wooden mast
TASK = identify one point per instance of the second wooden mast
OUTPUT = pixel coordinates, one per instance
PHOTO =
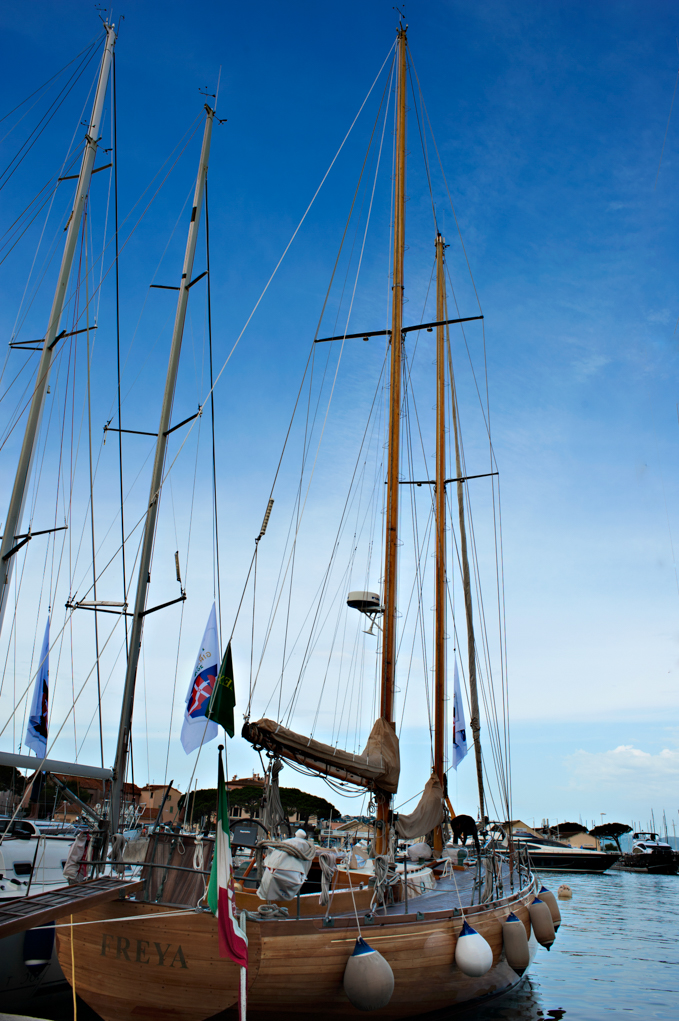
(440, 497)
(394, 446)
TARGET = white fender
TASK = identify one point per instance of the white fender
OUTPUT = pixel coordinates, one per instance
(368, 978)
(515, 944)
(550, 900)
(541, 920)
(473, 954)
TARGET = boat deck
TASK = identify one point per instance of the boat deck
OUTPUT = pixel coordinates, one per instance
(459, 890)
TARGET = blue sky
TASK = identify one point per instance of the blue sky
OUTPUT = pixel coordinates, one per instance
(550, 120)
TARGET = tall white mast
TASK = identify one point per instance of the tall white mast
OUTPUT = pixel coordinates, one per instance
(23, 474)
(156, 482)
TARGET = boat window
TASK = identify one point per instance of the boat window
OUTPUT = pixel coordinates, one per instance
(23, 868)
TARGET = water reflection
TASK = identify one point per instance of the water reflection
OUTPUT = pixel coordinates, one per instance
(522, 1004)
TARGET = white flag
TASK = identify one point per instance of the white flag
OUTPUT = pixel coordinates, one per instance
(197, 729)
(459, 729)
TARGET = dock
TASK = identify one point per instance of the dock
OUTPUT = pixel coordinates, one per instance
(29, 912)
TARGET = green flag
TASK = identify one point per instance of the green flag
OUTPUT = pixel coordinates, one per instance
(223, 697)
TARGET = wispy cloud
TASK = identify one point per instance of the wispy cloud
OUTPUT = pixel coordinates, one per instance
(641, 774)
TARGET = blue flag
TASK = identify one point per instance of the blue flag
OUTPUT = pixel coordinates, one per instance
(36, 732)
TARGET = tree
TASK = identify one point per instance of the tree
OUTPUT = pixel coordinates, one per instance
(306, 805)
(611, 829)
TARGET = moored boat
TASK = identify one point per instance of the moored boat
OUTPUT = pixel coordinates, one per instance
(549, 855)
(649, 854)
(157, 955)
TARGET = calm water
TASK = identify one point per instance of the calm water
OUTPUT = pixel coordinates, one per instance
(617, 952)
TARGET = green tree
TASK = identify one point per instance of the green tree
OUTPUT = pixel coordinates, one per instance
(611, 829)
(293, 801)
(306, 805)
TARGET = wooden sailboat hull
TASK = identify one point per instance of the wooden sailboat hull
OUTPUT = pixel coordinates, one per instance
(165, 964)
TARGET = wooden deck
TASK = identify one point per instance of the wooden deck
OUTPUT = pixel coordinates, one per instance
(28, 912)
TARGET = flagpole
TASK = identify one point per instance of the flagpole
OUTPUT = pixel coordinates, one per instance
(242, 918)
(221, 898)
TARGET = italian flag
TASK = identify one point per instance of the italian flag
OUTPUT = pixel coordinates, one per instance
(233, 942)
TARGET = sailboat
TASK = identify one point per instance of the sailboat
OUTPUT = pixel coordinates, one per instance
(156, 955)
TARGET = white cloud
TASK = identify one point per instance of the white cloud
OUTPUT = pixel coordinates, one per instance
(639, 773)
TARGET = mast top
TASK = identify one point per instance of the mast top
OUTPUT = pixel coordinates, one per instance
(402, 26)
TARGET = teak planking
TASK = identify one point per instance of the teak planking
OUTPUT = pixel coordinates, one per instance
(296, 967)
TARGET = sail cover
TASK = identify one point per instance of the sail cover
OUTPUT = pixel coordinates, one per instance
(378, 766)
(428, 812)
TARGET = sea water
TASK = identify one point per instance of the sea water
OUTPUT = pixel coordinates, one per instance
(616, 953)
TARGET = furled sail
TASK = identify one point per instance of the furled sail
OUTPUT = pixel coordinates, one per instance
(427, 814)
(378, 766)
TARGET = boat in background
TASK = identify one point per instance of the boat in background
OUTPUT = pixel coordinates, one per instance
(549, 855)
(649, 854)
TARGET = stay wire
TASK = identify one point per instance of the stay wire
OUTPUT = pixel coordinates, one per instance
(445, 180)
(217, 576)
(4, 117)
(58, 102)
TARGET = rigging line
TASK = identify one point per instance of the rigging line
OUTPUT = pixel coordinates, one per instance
(66, 622)
(8, 434)
(181, 619)
(294, 235)
(89, 436)
(39, 768)
(424, 545)
(19, 228)
(471, 364)
(212, 417)
(386, 92)
(58, 232)
(114, 141)
(419, 574)
(4, 117)
(353, 296)
(254, 610)
(325, 580)
(306, 369)
(98, 706)
(77, 74)
(353, 201)
(487, 683)
(498, 553)
(667, 128)
(319, 592)
(150, 352)
(351, 305)
(489, 720)
(424, 148)
(445, 180)
(310, 361)
(145, 210)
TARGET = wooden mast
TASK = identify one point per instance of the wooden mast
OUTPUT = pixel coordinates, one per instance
(393, 460)
(440, 583)
(474, 722)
